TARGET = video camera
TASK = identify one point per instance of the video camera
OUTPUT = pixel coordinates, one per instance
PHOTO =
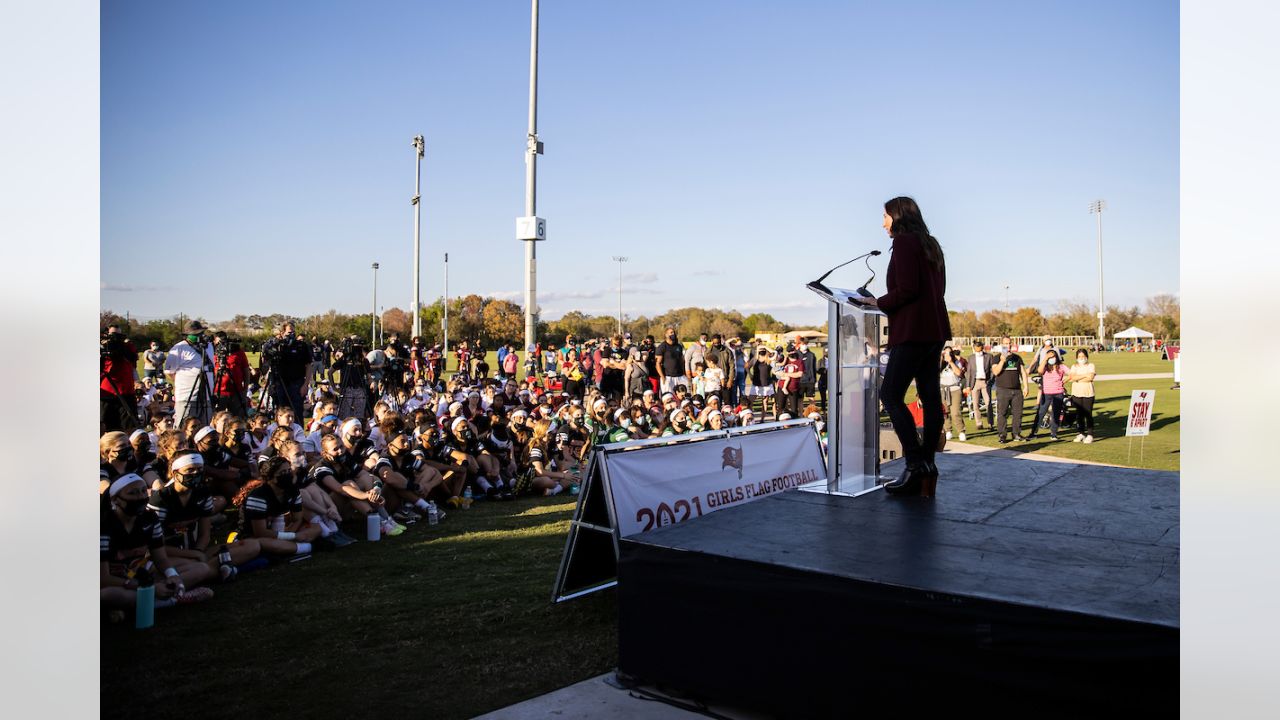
(111, 345)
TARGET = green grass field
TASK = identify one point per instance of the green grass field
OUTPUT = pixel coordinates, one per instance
(443, 622)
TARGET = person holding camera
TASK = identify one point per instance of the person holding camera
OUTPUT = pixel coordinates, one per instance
(231, 374)
(288, 360)
(189, 368)
(117, 397)
(352, 367)
(951, 373)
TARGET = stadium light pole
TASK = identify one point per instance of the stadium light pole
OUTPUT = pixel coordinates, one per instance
(1096, 207)
(619, 259)
(532, 149)
(445, 360)
(420, 149)
(373, 330)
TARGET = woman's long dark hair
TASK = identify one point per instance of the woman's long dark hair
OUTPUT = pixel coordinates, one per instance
(907, 219)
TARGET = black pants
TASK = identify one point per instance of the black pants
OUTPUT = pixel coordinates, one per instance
(1008, 403)
(288, 392)
(1084, 414)
(787, 403)
(117, 412)
(916, 361)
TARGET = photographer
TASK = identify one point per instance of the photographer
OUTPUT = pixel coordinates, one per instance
(189, 369)
(287, 360)
(353, 372)
(231, 374)
(117, 401)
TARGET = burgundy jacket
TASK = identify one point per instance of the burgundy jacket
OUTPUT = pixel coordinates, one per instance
(914, 303)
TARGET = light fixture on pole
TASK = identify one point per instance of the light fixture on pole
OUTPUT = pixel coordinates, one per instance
(619, 259)
(531, 229)
(373, 329)
(1096, 207)
(444, 361)
(382, 323)
(1006, 299)
(420, 148)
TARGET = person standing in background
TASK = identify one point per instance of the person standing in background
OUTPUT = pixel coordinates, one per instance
(976, 381)
(951, 380)
(1011, 387)
(1082, 395)
(153, 361)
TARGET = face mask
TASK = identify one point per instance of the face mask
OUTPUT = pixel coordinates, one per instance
(125, 455)
(340, 458)
(1081, 361)
(1052, 361)
(286, 482)
(193, 339)
(239, 436)
(134, 507)
(192, 481)
(146, 456)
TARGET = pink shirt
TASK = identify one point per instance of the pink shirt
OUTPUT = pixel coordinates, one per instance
(1051, 380)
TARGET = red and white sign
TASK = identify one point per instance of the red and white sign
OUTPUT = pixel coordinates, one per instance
(1140, 413)
(657, 486)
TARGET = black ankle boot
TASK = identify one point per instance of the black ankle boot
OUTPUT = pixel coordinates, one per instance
(909, 482)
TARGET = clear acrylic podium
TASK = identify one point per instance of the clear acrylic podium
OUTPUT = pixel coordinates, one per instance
(854, 364)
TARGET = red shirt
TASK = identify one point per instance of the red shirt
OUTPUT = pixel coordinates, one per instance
(235, 375)
(120, 373)
(793, 366)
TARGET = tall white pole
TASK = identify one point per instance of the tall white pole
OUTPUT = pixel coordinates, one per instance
(420, 148)
(531, 190)
(619, 259)
(446, 311)
(1097, 207)
(373, 329)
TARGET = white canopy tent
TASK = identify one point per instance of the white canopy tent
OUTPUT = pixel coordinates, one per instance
(1133, 333)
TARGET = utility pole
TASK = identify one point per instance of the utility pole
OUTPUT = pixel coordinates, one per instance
(619, 259)
(445, 361)
(373, 330)
(530, 229)
(1096, 207)
(420, 148)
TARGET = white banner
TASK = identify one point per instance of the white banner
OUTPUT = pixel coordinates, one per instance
(1140, 412)
(657, 486)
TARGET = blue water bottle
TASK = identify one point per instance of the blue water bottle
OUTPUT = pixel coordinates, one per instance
(145, 604)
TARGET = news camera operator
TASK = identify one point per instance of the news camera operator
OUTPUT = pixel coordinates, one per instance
(287, 359)
(118, 403)
(189, 369)
(352, 366)
(231, 374)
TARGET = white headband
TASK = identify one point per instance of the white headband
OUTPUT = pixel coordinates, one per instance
(123, 482)
(348, 426)
(134, 435)
(187, 461)
(599, 401)
(202, 433)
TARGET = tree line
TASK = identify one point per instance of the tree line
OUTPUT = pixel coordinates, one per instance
(494, 322)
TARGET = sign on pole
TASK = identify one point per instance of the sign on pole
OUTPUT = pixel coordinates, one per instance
(1140, 405)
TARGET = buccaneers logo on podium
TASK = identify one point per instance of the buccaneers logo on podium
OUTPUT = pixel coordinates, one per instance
(733, 458)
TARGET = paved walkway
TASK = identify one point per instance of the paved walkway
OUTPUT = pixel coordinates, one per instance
(599, 699)
(1133, 376)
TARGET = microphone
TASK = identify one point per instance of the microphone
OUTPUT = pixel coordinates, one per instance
(863, 290)
(818, 283)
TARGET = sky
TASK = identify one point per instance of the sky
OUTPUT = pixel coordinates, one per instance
(257, 157)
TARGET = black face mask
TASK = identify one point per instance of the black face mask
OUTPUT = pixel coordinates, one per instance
(193, 481)
(340, 458)
(239, 436)
(125, 455)
(146, 456)
(133, 508)
(287, 481)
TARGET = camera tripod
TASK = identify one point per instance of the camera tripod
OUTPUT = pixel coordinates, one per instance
(199, 402)
(128, 418)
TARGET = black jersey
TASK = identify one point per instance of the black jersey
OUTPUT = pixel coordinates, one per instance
(108, 472)
(357, 456)
(174, 514)
(324, 469)
(262, 504)
(120, 545)
(217, 458)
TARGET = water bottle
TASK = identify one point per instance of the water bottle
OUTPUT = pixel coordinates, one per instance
(373, 527)
(433, 514)
(466, 498)
(145, 605)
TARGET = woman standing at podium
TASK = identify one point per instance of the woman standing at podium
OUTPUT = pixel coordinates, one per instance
(918, 327)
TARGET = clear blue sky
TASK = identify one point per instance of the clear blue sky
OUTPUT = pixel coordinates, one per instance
(256, 157)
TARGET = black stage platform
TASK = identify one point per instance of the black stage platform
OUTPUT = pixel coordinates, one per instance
(1046, 587)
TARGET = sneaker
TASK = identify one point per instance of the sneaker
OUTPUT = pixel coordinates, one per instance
(573, 489)
(1003, 441)
(405, 516)
(393, 529)
(228, 572)
(454, 501)
(962, 437)
(344, 539)
(300, 558)
(325, 544)
(948, 434)
(1088, 438)
(1079, 438)
(194, 595)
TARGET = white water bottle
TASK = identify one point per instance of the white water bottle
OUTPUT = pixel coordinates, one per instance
(373, 527)
(433, 514)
